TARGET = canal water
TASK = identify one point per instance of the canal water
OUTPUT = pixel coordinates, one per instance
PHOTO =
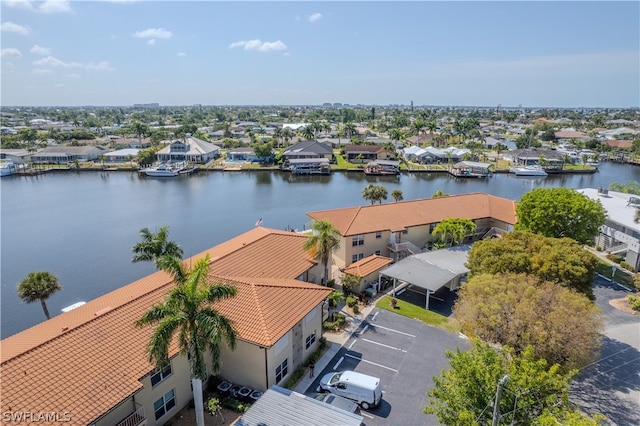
(81, 226)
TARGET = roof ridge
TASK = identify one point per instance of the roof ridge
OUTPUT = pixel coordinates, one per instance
(353, 219)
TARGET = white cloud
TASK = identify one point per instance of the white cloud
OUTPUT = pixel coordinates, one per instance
(52, 62)
(153, 33)
(152, 42)
(39, 50)
(10, 52)
(60, 86)
(10, 27)
(19, 4)
(41, 71)
(55, 6)
(182, 54)
(259, 46)
(315, 17)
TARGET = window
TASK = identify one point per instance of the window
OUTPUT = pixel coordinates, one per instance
(159, 375)
(432, 227)
(310, 340)
(357, 257)
(282, 370)
(378, 235)
(358, 240)
(377, 252)
(164, 404)
(405, 232)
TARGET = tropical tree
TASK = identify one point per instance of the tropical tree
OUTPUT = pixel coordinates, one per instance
(560, 212)
(187, 315)
(287, 135)
(277, 133)
(308, 132)
(323, 241)
(263, 150)
(374, 193)
(38, 286)
(453, 230)
(334, 298)
(349, 130)
(396, 134)
(439, 193)
(630, 187)
(155, 246)
(518, 310)
(561, 261)
(536, 393)
(397, 195)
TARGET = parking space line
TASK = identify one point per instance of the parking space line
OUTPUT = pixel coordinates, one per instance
(373, 318)
(364, 329)
(335, 367)
(372, 363)
(395, 331)
(386, 346)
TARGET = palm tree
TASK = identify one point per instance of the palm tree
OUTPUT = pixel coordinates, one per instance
(397, 195)
(323, 240)
(308, 132)
(439, 193)
(154, 246)
(277, 133)
(38, 286)
(287, 135)
(187, 314)
(368, 193)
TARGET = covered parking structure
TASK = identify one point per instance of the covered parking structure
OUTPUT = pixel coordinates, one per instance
(431, 270)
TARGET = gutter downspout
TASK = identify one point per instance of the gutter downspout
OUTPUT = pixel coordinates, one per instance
(266, 369)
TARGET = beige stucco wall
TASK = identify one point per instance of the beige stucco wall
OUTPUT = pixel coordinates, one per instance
(245, 365)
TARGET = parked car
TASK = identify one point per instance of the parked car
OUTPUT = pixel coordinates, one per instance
(340, 402)
(361, 388)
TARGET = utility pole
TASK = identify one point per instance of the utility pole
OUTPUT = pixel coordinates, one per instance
(496, 401)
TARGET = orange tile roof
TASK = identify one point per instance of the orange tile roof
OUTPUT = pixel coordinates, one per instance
(398, 216)
(73, 361)
(368, 265)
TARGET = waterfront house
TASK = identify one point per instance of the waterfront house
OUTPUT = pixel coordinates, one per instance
(241, 154)
(189, 149)
(366, 153)
(15, 155)
(66, 154)
(122, 155)
(397, 230)
(308, 149)
(90, 364)
(620, 233)
(470, 169)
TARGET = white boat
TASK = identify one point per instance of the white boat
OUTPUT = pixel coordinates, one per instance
(7, 168)
(528, 171)
(162, 170)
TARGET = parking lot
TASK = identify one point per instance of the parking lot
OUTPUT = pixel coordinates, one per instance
(405, 354)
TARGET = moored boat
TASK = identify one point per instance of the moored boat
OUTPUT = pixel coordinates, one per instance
(528, 171)
(7, 168)
(162, 170)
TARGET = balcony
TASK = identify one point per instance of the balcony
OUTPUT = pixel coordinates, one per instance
(137, 418)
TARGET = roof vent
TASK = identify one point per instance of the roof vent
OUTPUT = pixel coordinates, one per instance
(102, 311)
(65, 328)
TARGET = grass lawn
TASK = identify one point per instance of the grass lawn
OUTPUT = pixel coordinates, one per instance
(416, 312)
(621, 276)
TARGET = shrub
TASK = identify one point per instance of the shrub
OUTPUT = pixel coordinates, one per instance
(294, 379)
(335, 325)
(626, 266)
(214, 405)
(351, 301)
(234, 404)
(356, 309)
(634, 302)
(615, 258)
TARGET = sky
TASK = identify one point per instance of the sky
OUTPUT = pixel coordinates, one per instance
(509, 53)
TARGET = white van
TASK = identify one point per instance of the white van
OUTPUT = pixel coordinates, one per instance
(365, 390)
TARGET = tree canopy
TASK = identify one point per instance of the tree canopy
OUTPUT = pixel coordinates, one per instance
(518, 310)
(536, 393)
(561, 261)
(322, 242)
(560, 212)
(153, 247)
(374, 193)
(453, 230)
(40, 286)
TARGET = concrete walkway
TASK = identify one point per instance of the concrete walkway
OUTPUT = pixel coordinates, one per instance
(335, 341)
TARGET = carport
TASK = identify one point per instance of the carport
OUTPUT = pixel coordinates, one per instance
(431, 270)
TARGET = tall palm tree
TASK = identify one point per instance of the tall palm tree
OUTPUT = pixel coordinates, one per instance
(38, 286)
(187, 315)
(154, 246)
(287, 135)
(308, 132)
(397, 195)
(324, 240)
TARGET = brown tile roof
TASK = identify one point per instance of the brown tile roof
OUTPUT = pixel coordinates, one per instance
(570, 134)
(398, 216)
(619, 143)
(90, 359)
(368, 265)
(364, 148)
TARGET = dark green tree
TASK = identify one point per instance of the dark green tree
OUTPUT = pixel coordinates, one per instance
(39, 286)
(560, 212)
(153, 247)
(321, 243)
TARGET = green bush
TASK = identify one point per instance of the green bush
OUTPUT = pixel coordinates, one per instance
(626, 266)
(294, 379)
(213, 405)
(351, 301)
(634, 302)
(337, 324)
(234, 404)
(356, 309)
(615, 258)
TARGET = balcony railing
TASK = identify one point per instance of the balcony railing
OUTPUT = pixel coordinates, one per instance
(136, 418)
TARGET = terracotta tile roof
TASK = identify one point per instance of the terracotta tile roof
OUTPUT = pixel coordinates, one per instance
(364, 148)
(71, 362)
(368, 265)
(618, 143)
(398, 216)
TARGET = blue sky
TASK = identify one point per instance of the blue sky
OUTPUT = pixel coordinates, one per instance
(556, 54)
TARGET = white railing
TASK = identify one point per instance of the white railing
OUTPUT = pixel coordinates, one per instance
(134, 419)
(405, 246)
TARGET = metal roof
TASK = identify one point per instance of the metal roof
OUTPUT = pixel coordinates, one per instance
(283, 407)
(431, 270)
